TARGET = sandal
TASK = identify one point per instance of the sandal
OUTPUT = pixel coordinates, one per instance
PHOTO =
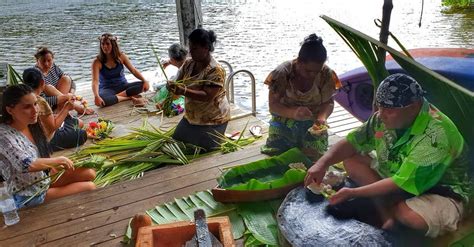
(256, 131)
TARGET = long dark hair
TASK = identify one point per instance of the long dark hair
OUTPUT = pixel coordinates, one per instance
(115, 48)
(312, 50)
(11, 97)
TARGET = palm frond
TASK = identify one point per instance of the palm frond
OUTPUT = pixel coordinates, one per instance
(13, 77)
(452, 99)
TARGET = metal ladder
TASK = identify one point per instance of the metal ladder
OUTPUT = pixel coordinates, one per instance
(229, 87)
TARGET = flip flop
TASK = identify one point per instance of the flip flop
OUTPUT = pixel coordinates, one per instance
(256, 130)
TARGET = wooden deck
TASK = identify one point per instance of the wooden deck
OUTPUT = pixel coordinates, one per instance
(100, 217)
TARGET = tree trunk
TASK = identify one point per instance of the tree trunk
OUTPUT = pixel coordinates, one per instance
(384, 30)
(189, 18)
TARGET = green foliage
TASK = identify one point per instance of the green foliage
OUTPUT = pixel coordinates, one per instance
(453, 100)
(458, 4)
(268, 173)
(182, 209)
(13, 77)
(254, 221)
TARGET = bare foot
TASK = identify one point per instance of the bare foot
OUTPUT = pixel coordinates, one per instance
(139, 102)
(86, 111)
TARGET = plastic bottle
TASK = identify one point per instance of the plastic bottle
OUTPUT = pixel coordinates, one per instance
(8, 207)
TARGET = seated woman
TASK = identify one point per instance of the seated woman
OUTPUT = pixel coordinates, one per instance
(61, 136)
(25, 156)
(108, 79)
(177, 55)
(301, 97)
(202, 84)
(59, 86)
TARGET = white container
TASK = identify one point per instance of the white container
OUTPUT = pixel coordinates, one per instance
(8, 207)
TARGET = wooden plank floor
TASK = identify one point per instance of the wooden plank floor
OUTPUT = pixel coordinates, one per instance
(100, 217)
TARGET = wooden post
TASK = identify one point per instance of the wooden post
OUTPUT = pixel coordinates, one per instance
(189, 18)
(384, 30)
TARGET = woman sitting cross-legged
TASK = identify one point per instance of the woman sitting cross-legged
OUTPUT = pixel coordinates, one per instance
(25, 160)
(108, 78)
(59, 86)
(202, 84)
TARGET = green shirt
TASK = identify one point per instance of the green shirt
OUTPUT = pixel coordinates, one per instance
(431, 153)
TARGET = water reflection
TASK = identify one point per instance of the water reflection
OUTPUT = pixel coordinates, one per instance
(253, 35)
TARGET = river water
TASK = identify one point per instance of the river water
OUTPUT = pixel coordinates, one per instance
(253, 35)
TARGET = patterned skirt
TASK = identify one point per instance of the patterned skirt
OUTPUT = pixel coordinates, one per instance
(286, 133)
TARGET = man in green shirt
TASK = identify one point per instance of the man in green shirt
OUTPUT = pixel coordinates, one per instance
(407, 147)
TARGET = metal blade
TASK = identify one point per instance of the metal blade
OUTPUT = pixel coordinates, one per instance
(203, 236)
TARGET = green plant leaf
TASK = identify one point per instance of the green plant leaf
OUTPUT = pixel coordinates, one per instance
(453, 100)
(260, 221)
(268, 173)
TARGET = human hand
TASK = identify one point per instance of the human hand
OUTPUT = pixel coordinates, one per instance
(342, 195)
(320, 121)
(315, 174)
(302, 113)
(65, 97)
(146, 86)
(175, 88)
(98, 101)
(63, 162)
(69, 105)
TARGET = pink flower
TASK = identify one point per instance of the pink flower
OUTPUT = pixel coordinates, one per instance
(378, 134)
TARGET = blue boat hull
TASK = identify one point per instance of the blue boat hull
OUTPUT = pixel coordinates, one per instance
(356, 93)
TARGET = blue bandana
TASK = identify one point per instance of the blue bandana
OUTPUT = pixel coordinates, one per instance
(398, 90)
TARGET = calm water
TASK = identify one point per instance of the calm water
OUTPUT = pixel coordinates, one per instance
(254, 35)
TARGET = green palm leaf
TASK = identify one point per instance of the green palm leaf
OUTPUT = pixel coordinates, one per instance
(453, 100)
(13, 77)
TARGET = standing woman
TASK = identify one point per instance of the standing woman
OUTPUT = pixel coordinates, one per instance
(207, 108)
(25, 154)
(108, 77)
(300, 98)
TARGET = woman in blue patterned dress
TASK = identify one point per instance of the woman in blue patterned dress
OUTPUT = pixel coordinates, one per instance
(25, 160)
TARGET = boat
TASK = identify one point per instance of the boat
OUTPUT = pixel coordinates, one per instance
(357, 91)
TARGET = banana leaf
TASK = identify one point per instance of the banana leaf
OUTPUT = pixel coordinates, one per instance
(268, 173)
(260, 222)
(183, 209)
(453, 100)
(260, 226)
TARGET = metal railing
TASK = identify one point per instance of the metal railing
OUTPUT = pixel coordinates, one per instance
(254, 96)
(229, 93)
